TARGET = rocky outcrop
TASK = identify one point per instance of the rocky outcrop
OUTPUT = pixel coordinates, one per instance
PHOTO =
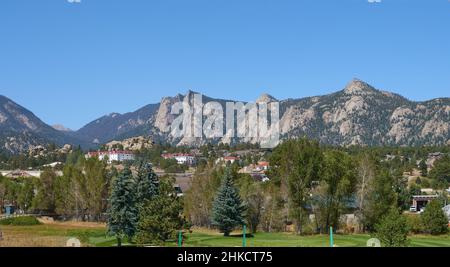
(361, 114)
(62, 128)
(266, 98)
(131, 144)
(164, 117)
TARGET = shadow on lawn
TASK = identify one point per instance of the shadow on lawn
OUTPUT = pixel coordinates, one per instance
(241, 236)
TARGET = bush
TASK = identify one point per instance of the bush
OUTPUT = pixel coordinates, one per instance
(415, 224)
(309, 228)
(20, 221)
(434, 219)
(393, 230)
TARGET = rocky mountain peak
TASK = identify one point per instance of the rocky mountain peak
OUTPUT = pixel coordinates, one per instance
(358, 87)
(191, 93)
(266, 98)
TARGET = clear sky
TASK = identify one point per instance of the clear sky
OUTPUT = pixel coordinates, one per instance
(71, 63)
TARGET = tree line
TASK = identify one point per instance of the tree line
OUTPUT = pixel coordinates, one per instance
(310, 190)
(312, 187)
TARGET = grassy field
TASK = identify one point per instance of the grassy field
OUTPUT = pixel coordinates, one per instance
(210, 239)
(56, 235)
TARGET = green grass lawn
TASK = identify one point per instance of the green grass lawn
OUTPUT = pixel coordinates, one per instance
(292, 240)
(56, 235)
(205, 238)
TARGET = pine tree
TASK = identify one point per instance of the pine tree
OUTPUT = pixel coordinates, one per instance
(228, 208)
(122, 209)
(434, 219)
(146, 183)
(160, 217)
(423, 168)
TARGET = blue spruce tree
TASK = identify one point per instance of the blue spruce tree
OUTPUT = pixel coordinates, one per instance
(122, 212)
(146, 183)
(228, 210)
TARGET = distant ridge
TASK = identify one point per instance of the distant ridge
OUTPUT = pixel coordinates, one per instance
(20, 129)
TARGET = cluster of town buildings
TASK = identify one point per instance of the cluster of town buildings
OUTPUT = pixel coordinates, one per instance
(181, 158)
(257, 171)
(112, 155)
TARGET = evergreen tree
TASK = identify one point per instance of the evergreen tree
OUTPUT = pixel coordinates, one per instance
(423, 168)
(434, 219)
(228, 208)
(146, 183)
(160, 217)
(441, 170)
(122, 210)
(393, 230)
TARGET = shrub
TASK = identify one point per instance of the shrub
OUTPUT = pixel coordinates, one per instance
(309, 228)
(393, 230)
(415, 224)
(20, 221)
(434, 219)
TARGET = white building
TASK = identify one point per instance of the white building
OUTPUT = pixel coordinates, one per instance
(112, 155)
(446, 210)
(181, 159)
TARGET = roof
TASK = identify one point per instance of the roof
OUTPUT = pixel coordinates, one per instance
(425, 197)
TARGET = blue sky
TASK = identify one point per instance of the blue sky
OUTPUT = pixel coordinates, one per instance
(71, 63)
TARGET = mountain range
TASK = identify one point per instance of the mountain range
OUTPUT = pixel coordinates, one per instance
(20, 129)
(359, 114)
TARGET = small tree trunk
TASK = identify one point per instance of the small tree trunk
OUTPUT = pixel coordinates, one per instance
(119, 242)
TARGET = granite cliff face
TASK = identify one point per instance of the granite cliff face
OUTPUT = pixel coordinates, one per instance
(358, 114)
(361, 114)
